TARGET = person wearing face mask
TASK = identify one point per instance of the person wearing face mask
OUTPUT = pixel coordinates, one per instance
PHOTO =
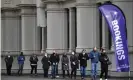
(45, 64)
(94, 56)
(74, 64)
(83, 57)
(9, 61)
(33, 60)
(104, 59)
(65, 64)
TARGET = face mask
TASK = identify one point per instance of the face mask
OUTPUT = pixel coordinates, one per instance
(46, 55)
(72, 53)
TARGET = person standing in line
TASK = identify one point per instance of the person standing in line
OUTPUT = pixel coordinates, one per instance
(74, 64)
(54, 62)
(9, 61)
(94, 56)
(104, 59)
(58, 59)
(83, 57)
(33, 62)
(65, 64)
(21, 60)
(46, 63)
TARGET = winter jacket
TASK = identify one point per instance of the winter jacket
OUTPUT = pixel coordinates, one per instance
(94, 56)
(74, 61)
(65, 62)
(104, 59)
(45, 62)
(83, 59)
(33, 60)
(54, 59)
(21, 59)
(9, 60)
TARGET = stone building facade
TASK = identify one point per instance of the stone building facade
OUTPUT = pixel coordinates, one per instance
(38, 26)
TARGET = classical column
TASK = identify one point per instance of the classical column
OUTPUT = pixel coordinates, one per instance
(105, 34)
(10, 30)
(56, 27)
(41, 21)
(30, 31)
(87, 34)
(72, 25)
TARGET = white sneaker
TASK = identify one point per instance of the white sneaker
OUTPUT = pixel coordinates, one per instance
(106, 79)
(57, 76)
(101, 79)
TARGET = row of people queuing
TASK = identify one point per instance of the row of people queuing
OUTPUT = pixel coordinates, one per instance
(75, 61)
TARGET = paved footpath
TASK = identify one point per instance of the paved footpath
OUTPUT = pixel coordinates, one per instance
(40, 77)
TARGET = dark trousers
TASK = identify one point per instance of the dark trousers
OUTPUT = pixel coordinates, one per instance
(45, 72)
(8, 68)
(57, 69)
(20, 70)
(53, 72)
(34, 67)
(64, 73)
(104, 69)
(74, 70)
(83, 71)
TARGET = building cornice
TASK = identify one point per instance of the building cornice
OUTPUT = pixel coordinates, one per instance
(53, 1)
(27, 5)
(9, 9)
(56, 10)
(10, 17)
(86, 5)
(122, 0)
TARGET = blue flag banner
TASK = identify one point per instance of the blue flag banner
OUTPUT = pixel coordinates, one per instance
(117, 25)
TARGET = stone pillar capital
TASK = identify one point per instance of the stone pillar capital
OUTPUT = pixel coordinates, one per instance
(56, 10)
(27, 9)
(39, 3)
(71, 9)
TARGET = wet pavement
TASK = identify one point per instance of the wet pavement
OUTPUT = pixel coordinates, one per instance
(40, 77)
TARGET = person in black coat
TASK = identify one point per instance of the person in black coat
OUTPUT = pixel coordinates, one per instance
(74, 64)
(46, 63)
(9, 61)
(104, 64)
(83, 57)
(33, 62)
(54, 59)
(58, 59)
(65, 64)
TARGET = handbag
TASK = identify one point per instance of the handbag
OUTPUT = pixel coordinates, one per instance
(109, 62)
